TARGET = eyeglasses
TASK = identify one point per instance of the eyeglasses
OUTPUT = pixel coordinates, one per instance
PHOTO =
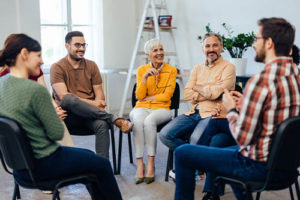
(78, 45)
(257, 38)
(156, 82)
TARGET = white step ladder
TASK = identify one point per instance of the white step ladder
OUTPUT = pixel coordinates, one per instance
(150, 4)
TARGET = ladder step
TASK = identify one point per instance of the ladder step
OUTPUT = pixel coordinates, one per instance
(141, 53)
(162, 7)
(162, 28)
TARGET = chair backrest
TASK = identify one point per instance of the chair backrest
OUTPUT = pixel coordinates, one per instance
(285, 151)
(14, 146)
(175, 100)
(238, 88)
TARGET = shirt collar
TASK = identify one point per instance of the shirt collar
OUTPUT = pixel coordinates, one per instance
(279, 58)
(161, 67)
(81, 64)
(220, 59)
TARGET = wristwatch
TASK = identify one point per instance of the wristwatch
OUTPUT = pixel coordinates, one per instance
(233, 110)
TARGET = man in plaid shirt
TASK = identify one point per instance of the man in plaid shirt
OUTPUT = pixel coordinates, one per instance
(270, 97)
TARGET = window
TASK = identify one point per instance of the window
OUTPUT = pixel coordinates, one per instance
(58, 17)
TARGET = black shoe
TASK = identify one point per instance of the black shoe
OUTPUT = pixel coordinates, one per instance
(210, 196)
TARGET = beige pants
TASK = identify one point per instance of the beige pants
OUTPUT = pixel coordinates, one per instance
(67, 139)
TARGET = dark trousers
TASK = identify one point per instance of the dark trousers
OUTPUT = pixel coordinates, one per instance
(226, 161)
(68, 161)
(84, 115)
(216, 134)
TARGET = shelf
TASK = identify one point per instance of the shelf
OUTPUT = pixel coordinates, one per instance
(162, 28)
(141, 53)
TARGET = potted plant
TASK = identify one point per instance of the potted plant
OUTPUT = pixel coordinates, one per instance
(236, 46)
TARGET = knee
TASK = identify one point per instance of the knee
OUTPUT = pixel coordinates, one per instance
(180, 152)
(148, 122)
(137, 122)
(162, 135)
(101, 126)
(67, 101)
(166, 134)
(104, 163)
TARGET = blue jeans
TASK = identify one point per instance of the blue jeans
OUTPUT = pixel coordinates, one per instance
(219, 161)
(216, 134)
(177, 131)
(68, 161)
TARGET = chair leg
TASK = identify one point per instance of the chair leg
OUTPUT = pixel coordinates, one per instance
(55, 195)
(90, 189)
(257, 195)
(130, 148)
(169, 165)
(297, 189)
(291, 192)
(120, 151)
(112, 134)
(16, 194)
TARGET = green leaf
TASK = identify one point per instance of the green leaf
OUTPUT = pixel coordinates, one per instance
(235, 45)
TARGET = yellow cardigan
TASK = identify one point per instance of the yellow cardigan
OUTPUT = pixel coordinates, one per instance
(163, 89)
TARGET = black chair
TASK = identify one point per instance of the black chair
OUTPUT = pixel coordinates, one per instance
(238, 88)
(16, 153)
(284, 156)
(82, 131)
(175, 100)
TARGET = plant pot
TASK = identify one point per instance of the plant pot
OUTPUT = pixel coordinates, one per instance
(240, 65)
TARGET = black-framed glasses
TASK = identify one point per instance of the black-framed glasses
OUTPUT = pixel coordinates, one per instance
(156, 82)
(257, 38)
(78, 45)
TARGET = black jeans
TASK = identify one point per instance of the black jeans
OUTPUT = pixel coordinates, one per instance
(69, 161)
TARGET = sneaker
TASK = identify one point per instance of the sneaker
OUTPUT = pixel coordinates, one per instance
(172, 174)
(124, 125)
(199, 175)
(210, 196)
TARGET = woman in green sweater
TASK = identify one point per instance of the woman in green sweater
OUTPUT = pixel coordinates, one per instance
(29, 103)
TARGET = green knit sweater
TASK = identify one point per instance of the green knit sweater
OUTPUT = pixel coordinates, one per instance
(29, 103)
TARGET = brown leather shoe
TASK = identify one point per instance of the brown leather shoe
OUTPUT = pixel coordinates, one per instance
(124, 125)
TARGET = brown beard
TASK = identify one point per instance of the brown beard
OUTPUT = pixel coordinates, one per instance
(260, 56)
(214, 60)
(75, 58)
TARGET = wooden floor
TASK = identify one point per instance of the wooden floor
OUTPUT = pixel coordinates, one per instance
(159, 190)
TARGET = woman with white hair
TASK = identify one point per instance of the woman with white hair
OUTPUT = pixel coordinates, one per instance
(155, 86)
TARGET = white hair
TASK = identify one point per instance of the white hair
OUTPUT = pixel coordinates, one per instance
(150, 44)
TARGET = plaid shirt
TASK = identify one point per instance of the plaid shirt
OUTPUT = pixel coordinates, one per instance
(269, 98)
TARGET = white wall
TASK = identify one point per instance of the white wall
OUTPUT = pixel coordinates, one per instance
(19, 16)
(119, 32)
(191, 17)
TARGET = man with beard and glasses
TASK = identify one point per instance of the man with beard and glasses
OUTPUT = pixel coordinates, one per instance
(203, 89)
(77, 88)
(270, 97)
